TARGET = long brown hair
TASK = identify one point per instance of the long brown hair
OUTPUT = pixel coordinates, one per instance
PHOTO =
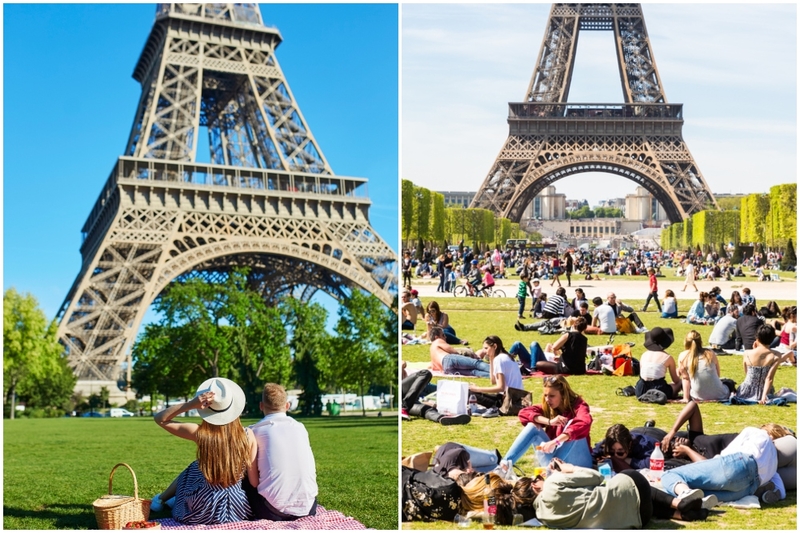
(568, 396)
(694, 345)
(222, 452)
(472, 497)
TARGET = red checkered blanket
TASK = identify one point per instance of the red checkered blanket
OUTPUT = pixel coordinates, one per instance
(324, 519)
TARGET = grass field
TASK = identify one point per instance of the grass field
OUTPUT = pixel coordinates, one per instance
(475, 318)
(53, 469)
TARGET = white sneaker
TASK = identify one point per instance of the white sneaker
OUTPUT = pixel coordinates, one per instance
(642, 330)
(156, 505)
(710, 501)
(690, 495)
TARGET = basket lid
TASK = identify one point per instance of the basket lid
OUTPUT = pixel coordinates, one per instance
(109, 501)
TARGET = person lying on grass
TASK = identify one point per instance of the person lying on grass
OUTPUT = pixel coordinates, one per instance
(697, 446)
(625, 449)
(577, 497)
(210, 490)
(445, 358)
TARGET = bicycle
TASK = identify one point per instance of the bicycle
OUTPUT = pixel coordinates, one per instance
(486, 292)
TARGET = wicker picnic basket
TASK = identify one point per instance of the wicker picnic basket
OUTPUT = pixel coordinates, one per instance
(113, 512)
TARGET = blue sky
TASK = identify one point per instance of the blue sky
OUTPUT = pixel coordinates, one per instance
(732, 66)
(69, 102)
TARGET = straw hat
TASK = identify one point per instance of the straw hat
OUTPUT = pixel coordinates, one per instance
(228, 402)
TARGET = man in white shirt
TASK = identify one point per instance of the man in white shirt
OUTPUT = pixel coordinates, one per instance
(723, 336)
(287, 476)
(603, 316)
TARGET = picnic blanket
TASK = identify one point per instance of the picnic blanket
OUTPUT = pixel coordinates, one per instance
(324, 519)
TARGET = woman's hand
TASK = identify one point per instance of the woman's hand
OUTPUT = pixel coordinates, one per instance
(559, 420)
(202, 401)
(560, 466)
(549, 446)
(665, 442)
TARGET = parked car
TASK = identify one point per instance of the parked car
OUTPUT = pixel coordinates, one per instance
(92, 414)
(118, 413)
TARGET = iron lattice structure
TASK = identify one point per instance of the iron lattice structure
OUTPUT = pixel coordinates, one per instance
(267, 200)
(640, 139)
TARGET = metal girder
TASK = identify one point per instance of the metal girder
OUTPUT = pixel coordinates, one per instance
(268, 200)
(640, 139)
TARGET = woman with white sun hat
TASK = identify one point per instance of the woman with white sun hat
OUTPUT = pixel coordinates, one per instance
(210, 491)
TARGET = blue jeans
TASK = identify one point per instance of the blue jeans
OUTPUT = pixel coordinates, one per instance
(465, 366)
(481, 460)
(728, 477)
(522, 306)
(669, 315)
(529, 359)
(575, 452)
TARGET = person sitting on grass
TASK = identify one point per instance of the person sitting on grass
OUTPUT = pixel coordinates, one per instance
(287, 484)
(603, 317)
(625, 449)
(697, 312)
(580, 498)
(699, 371)
(210, 490)
(504, 374)
(446, 359)
(656, 362)
(760, 365)
(723, 336)
(559, 427)
(572, 349)
(435, 317)
(670, 309)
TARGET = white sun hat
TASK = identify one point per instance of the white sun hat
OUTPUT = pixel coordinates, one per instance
(228, 401)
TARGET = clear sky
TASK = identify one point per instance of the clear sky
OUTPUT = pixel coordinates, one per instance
(732, 66)
(69, 102)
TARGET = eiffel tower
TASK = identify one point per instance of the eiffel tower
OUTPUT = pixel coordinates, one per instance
(550, 139)
(268, 199)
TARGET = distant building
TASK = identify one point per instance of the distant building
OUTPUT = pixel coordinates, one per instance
(548, 205)
(641, 205)
(574, 205)
(457, 198)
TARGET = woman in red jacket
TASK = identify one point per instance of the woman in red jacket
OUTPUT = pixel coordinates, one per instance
(560, 426)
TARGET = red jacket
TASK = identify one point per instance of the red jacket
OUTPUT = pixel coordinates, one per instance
(580, 427)
(653, 283)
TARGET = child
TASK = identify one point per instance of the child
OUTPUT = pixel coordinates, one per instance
(451, 281)
(536, 294)
(653, 290)
(522, 292)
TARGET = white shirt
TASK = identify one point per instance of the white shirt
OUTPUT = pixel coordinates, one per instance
(503, 364)
(756, 443)
(605, 313)
(287, 475)
(722, 330)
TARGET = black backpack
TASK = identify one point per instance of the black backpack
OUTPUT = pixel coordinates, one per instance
(428, 496)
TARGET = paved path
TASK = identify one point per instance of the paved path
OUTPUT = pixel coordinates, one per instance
(628, 289)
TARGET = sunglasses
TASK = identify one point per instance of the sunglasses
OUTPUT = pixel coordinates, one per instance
(620, 453)
(550, 380)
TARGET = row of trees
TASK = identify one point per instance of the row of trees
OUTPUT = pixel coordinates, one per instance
(213, 329)
(769, 219)
(426, 221)
(601, 212)
(227, 329)
(35, 372)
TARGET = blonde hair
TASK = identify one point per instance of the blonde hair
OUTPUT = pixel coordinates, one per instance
(472, 492)
(273, 397)
(222, 452)
(568, 396)
(775, 431)
(694, 345)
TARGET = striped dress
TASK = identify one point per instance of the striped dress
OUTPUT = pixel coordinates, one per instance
(199, 502)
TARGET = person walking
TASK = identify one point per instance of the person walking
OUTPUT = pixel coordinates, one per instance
(690, 275)
(653, 294)
(568, 267)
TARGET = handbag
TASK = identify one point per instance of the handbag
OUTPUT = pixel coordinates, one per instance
(514, 400)
(624, 325)
(452, 397)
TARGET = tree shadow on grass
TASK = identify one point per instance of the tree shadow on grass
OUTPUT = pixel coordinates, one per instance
(57, 516)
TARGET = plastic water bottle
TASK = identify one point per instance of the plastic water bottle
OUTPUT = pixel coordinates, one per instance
(472, 403)
(657, 463)
(605, 470)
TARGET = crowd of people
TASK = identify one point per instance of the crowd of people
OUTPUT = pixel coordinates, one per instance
(702, 470)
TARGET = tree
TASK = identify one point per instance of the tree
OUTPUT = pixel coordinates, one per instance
(310, 344)
(361, 354)
(737, 253)
(407, 211)
(208, 329)
(437, 218)
(31, 352)
(789, 259)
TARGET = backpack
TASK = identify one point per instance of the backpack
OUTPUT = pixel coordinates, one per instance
(427, 496)
(623, 362)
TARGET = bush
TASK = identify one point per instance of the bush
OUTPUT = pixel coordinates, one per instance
(789, 259)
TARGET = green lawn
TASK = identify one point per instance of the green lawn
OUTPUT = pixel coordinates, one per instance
(474, 319)
(53, 469)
